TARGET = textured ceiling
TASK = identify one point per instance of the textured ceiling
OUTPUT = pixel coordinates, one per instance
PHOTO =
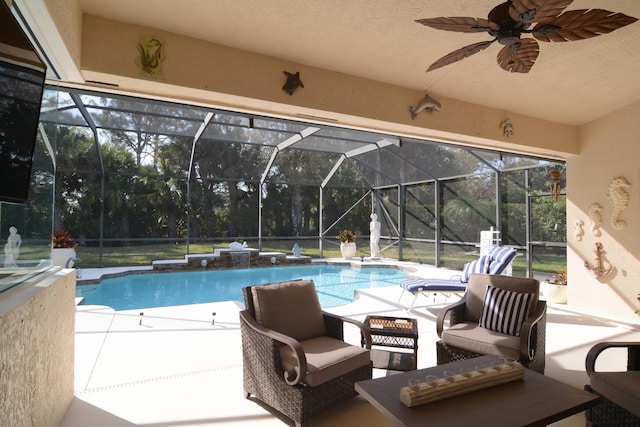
(571, 83)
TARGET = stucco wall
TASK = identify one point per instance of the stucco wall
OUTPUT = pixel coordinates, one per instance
(215, 75)
(37, 327)
(609, 148)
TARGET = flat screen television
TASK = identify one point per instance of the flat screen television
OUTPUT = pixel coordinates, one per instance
(22, 77)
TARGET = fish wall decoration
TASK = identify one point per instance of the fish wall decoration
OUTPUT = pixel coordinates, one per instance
(426, 104)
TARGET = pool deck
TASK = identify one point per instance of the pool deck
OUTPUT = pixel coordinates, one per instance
(173, 367)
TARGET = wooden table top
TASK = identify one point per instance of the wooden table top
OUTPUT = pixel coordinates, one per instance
(537, 400)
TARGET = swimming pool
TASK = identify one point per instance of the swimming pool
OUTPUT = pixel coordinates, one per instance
(335, 285)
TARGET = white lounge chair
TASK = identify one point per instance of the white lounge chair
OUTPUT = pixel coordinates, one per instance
(495, 261)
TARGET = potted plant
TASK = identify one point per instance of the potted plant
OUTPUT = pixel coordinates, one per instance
(347, 244)
(555, 289)
(64, 249)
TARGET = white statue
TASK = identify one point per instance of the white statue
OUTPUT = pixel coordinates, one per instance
(236, 246)
(12, 248)
(374, 240)
(297, 250)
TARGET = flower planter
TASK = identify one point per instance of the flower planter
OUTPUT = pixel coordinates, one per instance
(554, 293)
(60, 256)
(348, 249)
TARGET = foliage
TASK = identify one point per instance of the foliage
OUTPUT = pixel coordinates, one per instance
(560, 278)
(346, 236)
(145, 193)
(62, 239)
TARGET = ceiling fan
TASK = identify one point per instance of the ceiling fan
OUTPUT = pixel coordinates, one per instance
(509, 21)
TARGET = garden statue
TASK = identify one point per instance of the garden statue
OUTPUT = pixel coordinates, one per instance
(297, 250)
(236, 246)
(374, 239)
(12, 248)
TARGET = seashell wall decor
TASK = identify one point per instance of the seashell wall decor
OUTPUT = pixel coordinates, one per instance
(578, 229)
(595, 216)
(619, 196)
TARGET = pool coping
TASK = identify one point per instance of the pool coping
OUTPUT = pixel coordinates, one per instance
(92, 276)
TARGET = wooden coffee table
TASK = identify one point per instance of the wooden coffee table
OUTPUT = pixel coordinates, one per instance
(536, 400)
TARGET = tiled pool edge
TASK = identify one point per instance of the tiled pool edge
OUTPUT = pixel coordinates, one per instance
(93, 276)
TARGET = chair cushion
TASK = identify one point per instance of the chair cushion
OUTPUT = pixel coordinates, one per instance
(477, 286)
(471, 337)
(504, 311)
(291, 308)
(481, 265)
(622, 388)
(420, 284)
(327, 358)
(499, 258)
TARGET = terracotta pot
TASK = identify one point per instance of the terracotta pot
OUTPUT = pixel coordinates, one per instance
(348, 250)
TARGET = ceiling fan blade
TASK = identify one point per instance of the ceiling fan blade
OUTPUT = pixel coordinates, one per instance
(529, 11)
(580, 25)
(460, 54)
(459, 24)
(520, 57)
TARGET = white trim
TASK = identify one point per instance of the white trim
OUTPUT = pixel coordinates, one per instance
(41, 24)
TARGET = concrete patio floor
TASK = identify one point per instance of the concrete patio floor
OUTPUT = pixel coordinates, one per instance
(172, 367)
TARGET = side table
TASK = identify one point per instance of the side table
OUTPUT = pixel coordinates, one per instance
(398, 332)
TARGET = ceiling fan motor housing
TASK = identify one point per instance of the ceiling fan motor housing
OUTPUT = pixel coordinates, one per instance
(509, 31)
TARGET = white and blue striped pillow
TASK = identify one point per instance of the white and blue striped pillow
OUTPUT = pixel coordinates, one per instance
(481, 265)
(504, 311)
(499, 258)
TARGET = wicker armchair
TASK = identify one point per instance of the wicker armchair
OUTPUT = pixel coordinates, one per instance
(470, 332)
(294, 356)
(619, 391)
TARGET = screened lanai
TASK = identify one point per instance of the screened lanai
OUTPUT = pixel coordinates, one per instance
(158, 179)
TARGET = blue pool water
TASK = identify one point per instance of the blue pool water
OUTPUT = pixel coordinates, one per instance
(335, 285)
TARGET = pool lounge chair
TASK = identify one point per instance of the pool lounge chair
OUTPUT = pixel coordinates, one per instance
(496, 261)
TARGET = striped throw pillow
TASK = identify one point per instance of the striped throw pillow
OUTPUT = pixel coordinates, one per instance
(499, 258)
(504, 311)
(481, 265)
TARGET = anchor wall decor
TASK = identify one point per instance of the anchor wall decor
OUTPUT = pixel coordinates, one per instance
(598, 270)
